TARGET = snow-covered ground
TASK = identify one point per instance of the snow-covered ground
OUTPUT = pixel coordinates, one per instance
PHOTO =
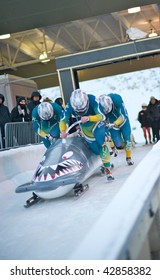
(53, 229)
(135, 89)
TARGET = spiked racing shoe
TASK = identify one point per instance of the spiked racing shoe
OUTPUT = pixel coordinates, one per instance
(129, 161)
(109, 175)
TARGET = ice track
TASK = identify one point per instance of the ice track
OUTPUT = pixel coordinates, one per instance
(53, 229)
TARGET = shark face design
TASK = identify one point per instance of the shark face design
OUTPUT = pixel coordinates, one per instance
(48, 173)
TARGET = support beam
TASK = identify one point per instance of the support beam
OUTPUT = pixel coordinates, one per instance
(68, 80)
(107, 55)
(68, 65)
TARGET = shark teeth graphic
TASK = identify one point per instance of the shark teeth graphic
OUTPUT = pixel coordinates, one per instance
(48, 173)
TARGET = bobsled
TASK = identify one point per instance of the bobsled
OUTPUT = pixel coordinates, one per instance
(63, 166)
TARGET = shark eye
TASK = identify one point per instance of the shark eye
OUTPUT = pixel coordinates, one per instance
(67, 155)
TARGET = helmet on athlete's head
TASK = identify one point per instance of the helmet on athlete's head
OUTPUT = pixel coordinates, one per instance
(45, 111)
(106, 103)
(79, 101)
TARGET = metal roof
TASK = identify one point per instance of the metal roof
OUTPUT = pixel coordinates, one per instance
(67, 27)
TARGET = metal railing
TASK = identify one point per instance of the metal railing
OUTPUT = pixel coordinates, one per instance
(19, 134)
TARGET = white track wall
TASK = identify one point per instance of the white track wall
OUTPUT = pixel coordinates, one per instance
(14, 163)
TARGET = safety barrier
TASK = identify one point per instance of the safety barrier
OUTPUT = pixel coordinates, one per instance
(20, 133)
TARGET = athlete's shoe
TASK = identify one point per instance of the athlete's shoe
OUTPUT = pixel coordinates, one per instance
(102, 170)
(115, 153)
(109, 175)
(129, 161)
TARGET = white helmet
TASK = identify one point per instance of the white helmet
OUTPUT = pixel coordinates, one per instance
(79, 101)
(106, 103)
(45, 111)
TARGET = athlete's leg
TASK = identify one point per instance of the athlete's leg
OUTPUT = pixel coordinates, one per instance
(55, 131)
(126, 133)
(116, 137)
(99, 134)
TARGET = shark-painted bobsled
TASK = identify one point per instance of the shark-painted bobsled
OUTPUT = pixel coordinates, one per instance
(62, 167)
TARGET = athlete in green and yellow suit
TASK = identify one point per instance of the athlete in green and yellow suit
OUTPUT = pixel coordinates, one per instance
(86, 108)
(45, 120)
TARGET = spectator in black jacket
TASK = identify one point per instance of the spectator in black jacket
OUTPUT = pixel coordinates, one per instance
(35, 100)
(153, 110)
(20, 113)
(145, 123)
(5, 117)
(59, 101)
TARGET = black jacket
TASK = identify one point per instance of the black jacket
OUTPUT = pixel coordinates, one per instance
(143, 118)
(153, 111)
(5, 117)
(32, 104)
(20, 113)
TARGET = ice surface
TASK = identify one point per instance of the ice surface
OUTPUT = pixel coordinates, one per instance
(53, 229)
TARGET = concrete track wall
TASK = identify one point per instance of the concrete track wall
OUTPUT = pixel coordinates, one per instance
(16, 162)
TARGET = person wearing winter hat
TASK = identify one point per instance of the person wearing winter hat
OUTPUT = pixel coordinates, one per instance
(143, 118)
(35, 100)
(59, 101)
(5, 117)
(20, 113)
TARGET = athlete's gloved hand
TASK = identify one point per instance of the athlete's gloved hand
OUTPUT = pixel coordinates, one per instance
(64, 134)
(84, 119)
(111, 125)
(49, 137)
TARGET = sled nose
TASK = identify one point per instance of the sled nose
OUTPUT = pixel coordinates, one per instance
(29, 186)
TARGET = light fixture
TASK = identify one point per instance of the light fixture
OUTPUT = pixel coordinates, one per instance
(44, 57)
(152, 33)
(134, 10)
(5, 36)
